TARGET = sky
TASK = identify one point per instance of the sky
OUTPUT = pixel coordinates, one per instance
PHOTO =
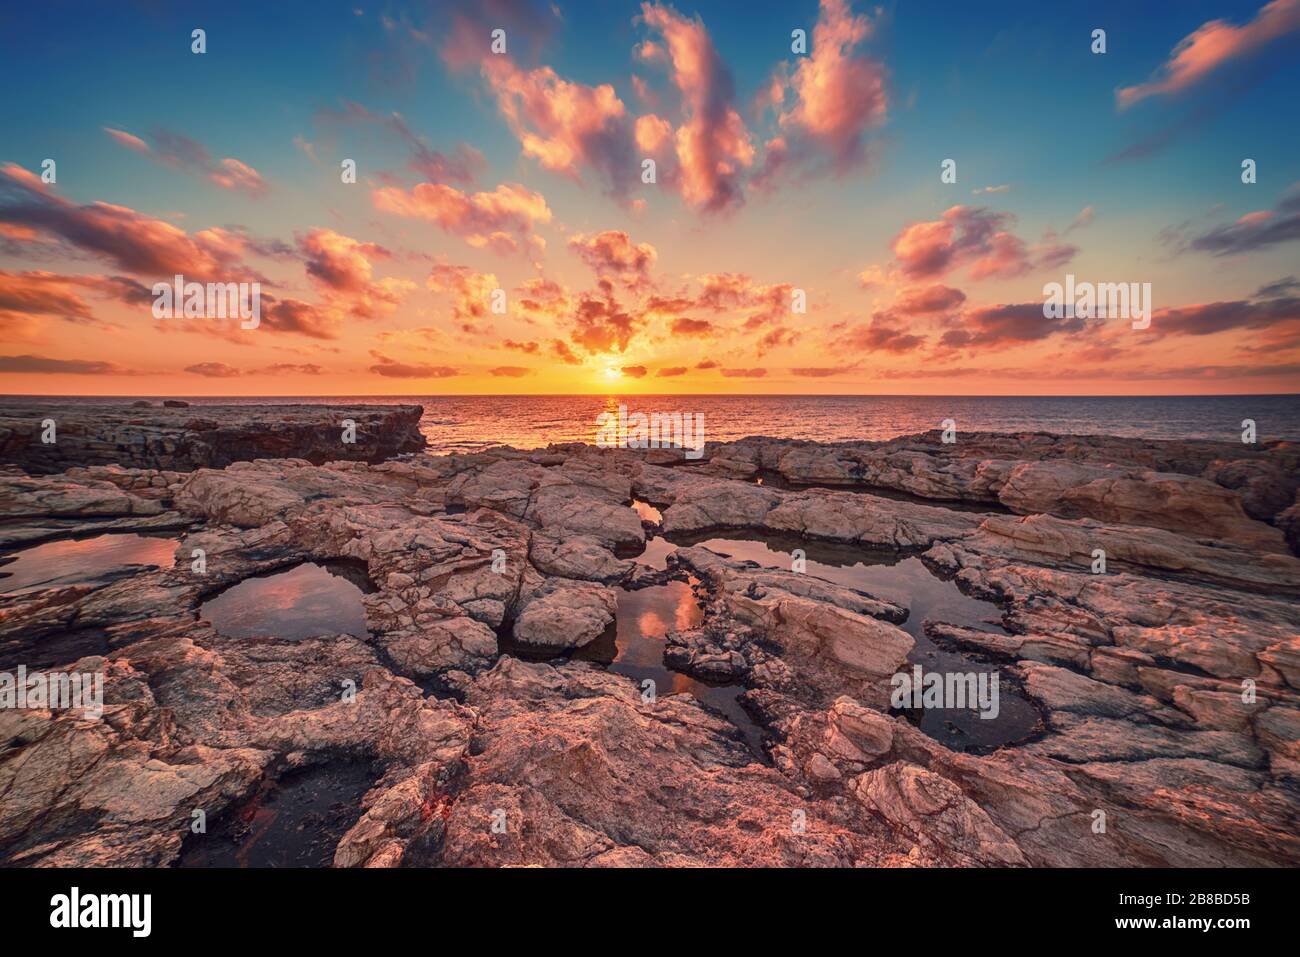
(615, 197)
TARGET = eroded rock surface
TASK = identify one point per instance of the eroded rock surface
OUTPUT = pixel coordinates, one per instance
(182, 438)
(1168, 680)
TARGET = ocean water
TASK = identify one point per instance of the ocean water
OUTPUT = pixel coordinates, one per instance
(469, 423)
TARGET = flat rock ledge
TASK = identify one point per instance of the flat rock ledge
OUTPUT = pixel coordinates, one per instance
(1169, 685)
(191, 437)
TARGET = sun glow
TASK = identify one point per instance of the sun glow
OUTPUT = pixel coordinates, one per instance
(612, 373)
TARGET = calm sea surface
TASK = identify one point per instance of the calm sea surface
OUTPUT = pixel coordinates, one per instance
(467, 423)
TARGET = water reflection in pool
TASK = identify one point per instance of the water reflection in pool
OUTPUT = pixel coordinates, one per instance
(303, 602)
(906, 581)
(76, 561)
(634, 646)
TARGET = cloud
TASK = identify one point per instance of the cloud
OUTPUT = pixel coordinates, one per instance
(213, 370)
(528, 23)
(976, 237)
(1211, 45)
(880, 335)
(565, 126)
(653, 133)
(738, 292)
(775, 339)
(713, 146)
(339, 262)
(393, 369)
(601, 324)
(291, 368)
(743, 373)
(182, 153)
(499, 219)
(341, 267)
(470, 290)
(39, 293)
(513, 372)
(1205, 319)
(130, 240)
(635, 372)
(991, 189)
(683, 326)
(612, 253)
(839, 95)
(706, 364)
(40, 365)
(1253, 231)
(528, 348)
(564, 353)
(1001, 325)
(1280, 287)
(1083, 220)
(822, 372)
(672, 371)
(462, 166)
(924, 300)
(303, 318)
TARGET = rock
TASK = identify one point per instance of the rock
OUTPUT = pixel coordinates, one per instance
(212, 436)
(566, 615)
(580, 556)
(1160, 499)
(1139, 672)
(1289, 522)
(936, 814)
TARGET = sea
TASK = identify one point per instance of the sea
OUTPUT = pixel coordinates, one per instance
(472, 423)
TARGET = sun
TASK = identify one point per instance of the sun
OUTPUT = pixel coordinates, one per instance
(612, 373)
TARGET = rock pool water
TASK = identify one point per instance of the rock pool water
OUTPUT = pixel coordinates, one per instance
(295, 821)
(81, 560)
(302, 602)
(906, 581)
(634, 646)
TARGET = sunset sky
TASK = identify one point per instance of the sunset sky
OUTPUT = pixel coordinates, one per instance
(776, 172)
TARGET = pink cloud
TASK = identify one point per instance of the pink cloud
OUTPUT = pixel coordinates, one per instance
(469, 290)
(393, 369)
(181, 152)
(838, 94)
(131, 240)
(612, 253)
(565, 126)
(496, 219)
(653, 133)
(713, 145)
(976, 237)
(1211, 45)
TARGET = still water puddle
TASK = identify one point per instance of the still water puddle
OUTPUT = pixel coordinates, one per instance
(303, 602)
(634, 646)
(906, 581)
(296, 821)
(78, 561)
(647, 512)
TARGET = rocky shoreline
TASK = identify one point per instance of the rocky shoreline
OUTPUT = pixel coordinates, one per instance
(179, 437)
(1167, 687)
